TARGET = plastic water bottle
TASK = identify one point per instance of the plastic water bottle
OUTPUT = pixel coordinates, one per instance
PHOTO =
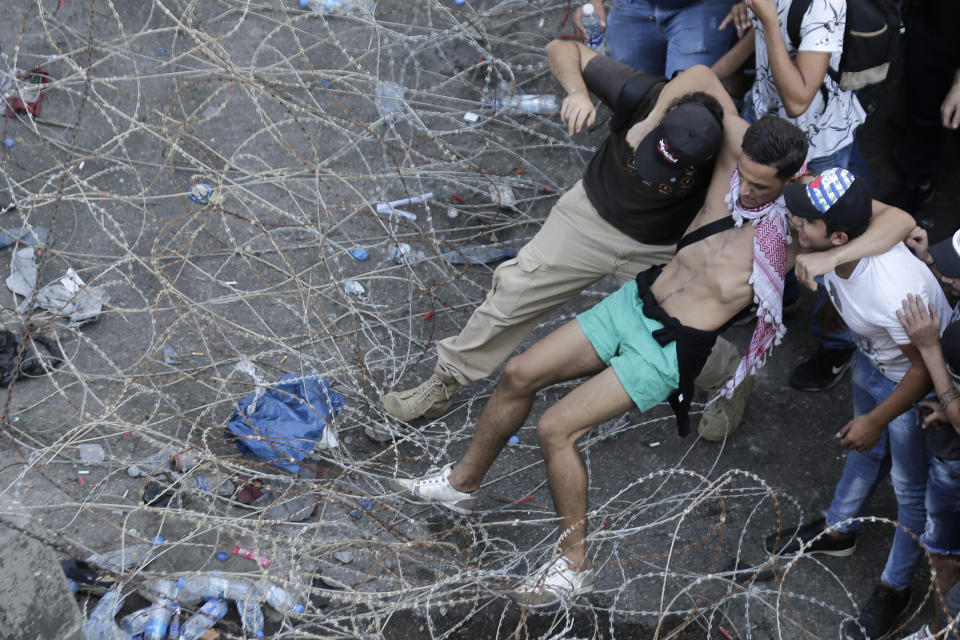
(101, 626)
(278, 598)
(124, 558)
(205, 618)
(173, 632)
(214, 585)
(344, 7)
(158, 617)
(591, 24)
(251, 616)
(529, 104)
(134, 623)
(389, 101)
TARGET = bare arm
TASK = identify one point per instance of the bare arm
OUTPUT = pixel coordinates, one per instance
(862, 432)
(888, 226)
(567, 61)
(733, 59)
(922, 324)
(798, 81)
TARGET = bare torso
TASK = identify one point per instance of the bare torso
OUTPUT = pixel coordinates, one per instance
(708, 282)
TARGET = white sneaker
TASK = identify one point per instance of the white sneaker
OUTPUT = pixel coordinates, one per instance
(921, 634)
(436, 488)
(555, 581)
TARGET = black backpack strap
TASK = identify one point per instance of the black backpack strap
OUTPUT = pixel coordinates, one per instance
(794, 19)
(707, 230)
(631, 95)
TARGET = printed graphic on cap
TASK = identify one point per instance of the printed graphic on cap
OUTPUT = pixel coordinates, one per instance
(828, 187)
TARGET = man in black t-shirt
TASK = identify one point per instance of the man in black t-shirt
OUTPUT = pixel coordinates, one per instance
(639, 192)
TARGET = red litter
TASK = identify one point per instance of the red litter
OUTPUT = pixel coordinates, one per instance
(459, 199)
(262, 560)
(27, 92)
(428, 315)
(81, 481)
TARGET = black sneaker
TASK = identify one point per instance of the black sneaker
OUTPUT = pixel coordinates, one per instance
(877, 619)
(787, 542)
(823, 370)
(909, 196)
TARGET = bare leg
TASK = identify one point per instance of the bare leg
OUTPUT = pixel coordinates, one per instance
(599, 399)
(564, 354)
(948, 574)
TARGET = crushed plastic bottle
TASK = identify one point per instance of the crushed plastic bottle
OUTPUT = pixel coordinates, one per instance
(278, 598)
(134, 623)
(529, 104)
(251, 616)
(502, 195)
(173, 631)
(101, 625)
(124, 558)
(400, 252)
(214, 584)
(354, 288)
(478, 254)
(205, 618)
(342, 7)
(591, 24)
(209, 484)
(389, 101)
(158, 618)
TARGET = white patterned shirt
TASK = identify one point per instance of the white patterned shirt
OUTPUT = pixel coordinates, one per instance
(828, 127)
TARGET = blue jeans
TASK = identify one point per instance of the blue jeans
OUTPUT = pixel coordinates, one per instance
(901, 449)
(662, 41)
(943, 506)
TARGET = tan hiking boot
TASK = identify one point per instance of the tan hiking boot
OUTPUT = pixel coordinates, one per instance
(429, 400)
(724, 412)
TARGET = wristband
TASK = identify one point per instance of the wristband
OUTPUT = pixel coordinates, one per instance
(947, 397)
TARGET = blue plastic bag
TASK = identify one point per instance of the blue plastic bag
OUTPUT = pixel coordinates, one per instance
(286, 420)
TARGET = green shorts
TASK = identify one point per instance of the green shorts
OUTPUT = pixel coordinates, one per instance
(623, 338)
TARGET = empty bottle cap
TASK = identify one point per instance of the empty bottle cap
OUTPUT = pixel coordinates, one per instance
(513, 440)
(222, 556)
(298, 608)
(588, 9)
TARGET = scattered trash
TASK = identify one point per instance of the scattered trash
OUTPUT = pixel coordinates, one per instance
(205, 618)
(654, 445)
(92, 453)
(344, 557)
(81, 481)
(290, 417)
(154, 494)
(8, 143)
(200, 192)
(286, 506)
(502, 195)
(478, 254)
(162, 52)
(525, 103)
(222, 556)
(389, 94)
(452, 213)
(124, 558)
(208, 485)
(101, 625)
(23, 90)
(30, 236)
(400, 253)
(513, 440)
(170, 355)
(31, 363)
(360, 254)
(344, 7)
(69, 296)
(379, 432)
(249, 554)
(391, 207)
(354, 288)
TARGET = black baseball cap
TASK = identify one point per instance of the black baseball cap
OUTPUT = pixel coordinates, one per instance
(947, 256)
(835, 196)
(950, 343)
(681, 147)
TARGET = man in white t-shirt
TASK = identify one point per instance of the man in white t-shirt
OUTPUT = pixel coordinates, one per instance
(889, 377)
(793, 82)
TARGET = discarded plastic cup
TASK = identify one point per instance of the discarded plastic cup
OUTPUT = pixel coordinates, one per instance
(400, 252)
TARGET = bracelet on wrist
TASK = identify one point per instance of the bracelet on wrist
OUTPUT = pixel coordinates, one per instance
(947, 398)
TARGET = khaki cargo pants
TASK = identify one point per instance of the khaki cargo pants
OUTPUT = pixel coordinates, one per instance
(574, 248)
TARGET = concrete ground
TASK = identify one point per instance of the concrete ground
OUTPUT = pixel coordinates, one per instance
(276, 109)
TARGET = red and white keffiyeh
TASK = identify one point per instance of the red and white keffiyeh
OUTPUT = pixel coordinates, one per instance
(769, 268)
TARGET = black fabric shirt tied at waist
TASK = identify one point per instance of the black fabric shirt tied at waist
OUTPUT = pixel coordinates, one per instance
(693, 347)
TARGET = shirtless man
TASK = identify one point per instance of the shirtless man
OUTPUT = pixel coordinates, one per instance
(695, 297)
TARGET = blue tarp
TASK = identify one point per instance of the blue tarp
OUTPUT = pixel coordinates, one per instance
(286, 420)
